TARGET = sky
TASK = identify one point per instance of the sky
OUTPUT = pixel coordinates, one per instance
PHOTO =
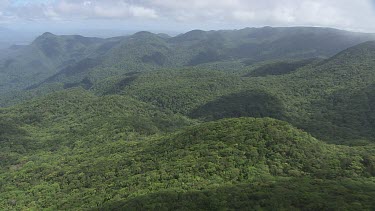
(184, 15)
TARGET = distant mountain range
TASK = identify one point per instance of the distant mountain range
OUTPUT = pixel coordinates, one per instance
(258, 118)
(70, 59)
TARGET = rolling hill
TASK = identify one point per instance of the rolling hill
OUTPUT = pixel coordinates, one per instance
(110, 166)
(262, 118)
(72, 59)
(25, 66)
(332, 99)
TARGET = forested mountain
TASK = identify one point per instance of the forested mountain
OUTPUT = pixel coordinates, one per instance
(23, 66)
(72, 59)
(332, 99)
(57, 159)
(261, 118)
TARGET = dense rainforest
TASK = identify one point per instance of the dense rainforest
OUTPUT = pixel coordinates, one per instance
(258, 118)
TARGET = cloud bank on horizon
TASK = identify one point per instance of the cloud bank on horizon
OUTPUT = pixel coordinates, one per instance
(346, 14)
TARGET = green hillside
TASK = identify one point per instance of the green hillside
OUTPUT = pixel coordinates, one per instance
(147, 51)
(258, 118)
(103, 170)
(72, 60)
(282, 194)
(25, 66)
(331, 99)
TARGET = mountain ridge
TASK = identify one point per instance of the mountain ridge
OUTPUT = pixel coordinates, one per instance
(251, 118)
(49, 53)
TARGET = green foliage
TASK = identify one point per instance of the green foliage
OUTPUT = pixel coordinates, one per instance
(29, 65)
(100, 170)
(71, 59)
(282, 194)
(331, 99)
(279, 68)
(58, 119)
(252, 103)
(126, 127)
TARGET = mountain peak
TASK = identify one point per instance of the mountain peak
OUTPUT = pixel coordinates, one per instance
(44, 36)
(142, 34)
(47, 34)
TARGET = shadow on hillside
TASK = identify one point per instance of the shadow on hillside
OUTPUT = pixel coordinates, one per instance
(344, 117)
(9, 128)
(253, 103)
(123, 83)
(294, 194)
(74, 71)
(13, 138)
(205, 57)
(156, 58)
(279, 68)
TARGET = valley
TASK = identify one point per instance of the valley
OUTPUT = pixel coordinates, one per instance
(268, 118)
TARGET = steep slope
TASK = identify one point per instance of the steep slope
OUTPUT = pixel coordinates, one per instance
(27, 65)
(332, 99)
(280, 67)
(211, 156)
(256, 150)
(120, 136)
(294, 194)
(73, 59)
(341, 93)
(282, 194)
(268, 43)
(58, 119)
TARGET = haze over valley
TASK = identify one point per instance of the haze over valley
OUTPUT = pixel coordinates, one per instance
(206, 105)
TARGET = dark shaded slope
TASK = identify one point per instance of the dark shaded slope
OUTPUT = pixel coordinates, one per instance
(254, 151)
(144, 51)
(279, 68)
(32, 64)
(105, 164)
(346, 113)
(341, 92)
(332, 99)
(293, 194)
(251, 103)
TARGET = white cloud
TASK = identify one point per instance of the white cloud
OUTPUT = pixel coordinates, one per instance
(244, 15)
(103, 9)
(78, 9)
(348, 14)
(358, 15)
(87, 3)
